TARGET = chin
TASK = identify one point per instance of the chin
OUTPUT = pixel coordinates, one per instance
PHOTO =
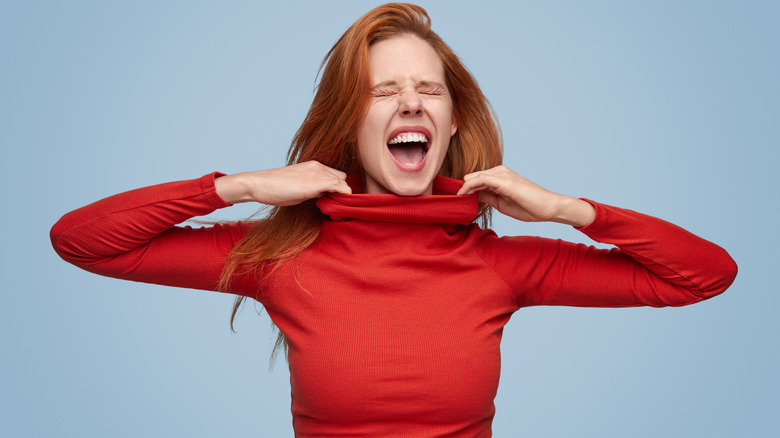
(409, 185)
(414, 191)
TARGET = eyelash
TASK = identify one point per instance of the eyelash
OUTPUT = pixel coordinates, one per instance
(429, 92)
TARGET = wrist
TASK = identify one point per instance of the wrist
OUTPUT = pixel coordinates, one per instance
(232, 188)
(575, 212)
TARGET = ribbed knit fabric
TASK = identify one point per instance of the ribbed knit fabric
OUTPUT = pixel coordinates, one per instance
(394, 315)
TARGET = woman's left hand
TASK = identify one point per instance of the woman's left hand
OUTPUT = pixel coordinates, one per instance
(515, 196)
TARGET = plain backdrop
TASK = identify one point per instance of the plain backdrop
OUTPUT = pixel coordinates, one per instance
(666, 107)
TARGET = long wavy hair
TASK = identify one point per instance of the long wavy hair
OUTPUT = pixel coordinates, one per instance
(329, 131)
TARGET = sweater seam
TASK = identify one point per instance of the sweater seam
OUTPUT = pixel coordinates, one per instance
(597, 225)
(508, 288)
(86, 225)
(694, 288)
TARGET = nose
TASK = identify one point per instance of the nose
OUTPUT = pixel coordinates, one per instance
(411, 104)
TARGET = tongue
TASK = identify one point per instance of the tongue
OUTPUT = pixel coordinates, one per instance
(409, 153)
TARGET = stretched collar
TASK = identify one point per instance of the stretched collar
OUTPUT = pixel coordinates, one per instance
(443, 206)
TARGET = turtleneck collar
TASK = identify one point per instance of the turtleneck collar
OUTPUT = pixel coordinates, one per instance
(443, 206)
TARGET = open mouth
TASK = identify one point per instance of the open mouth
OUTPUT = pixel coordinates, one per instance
(409, 148)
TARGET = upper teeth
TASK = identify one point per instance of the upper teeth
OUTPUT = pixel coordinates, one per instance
(408, 137)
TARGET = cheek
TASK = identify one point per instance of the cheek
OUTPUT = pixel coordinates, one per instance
(374, 127)
(371, 126)
(445, 118)
(367, 150)
(365, 130)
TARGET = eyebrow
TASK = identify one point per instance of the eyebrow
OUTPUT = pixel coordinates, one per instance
(392, 83)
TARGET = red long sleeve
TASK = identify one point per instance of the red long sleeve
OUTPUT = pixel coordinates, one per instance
(133, 235)
(656, 264)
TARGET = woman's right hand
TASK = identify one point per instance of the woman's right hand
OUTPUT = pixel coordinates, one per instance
(289, 185)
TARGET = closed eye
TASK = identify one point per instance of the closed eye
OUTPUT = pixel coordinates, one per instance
(432, 91)
(383, 93)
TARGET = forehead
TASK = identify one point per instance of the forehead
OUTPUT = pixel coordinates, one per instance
(404, 58)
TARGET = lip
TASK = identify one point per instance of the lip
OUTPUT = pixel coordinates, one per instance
(418, 129)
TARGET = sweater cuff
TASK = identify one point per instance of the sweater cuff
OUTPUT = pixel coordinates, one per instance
(594, 224)
(208, 186)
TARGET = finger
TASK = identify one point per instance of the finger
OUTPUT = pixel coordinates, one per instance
(471, 183)
(341, 186)
(481, 182)
(480, 173)
(468, 187)
(489, 198)
(322, 169)
(337, 173)
(477, 188)
(472, 175)
(491, 171)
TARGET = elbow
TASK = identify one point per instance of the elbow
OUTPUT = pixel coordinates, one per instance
(713, 279)
(57, 235)
(723, 274)
(65, 242)
(728, 274)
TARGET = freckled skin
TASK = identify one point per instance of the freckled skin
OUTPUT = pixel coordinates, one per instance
(409, 90)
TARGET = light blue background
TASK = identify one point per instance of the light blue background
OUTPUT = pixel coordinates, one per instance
(666, 107)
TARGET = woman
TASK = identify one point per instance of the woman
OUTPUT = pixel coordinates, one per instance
(391, 300)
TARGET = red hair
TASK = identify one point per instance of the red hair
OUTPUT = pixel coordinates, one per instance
(329, 131)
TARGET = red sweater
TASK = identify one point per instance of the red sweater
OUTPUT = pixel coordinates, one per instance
(394, 315)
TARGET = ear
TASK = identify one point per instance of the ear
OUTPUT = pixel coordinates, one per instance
(454, 128)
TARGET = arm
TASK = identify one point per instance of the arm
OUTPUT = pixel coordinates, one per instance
(655, 263)
(133, 235)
